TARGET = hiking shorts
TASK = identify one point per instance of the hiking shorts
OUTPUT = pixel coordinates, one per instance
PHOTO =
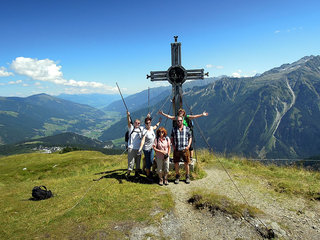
(184, 154)
(162, 165)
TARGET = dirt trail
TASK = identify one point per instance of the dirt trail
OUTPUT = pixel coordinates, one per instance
(290, 218)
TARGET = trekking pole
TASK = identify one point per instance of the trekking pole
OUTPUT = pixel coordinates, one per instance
(148, 100)
(122, 98)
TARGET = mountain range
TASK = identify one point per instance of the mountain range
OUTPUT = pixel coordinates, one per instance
(272, 115)
(95, 100)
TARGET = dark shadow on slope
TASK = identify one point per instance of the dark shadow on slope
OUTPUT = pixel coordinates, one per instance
(120, 175)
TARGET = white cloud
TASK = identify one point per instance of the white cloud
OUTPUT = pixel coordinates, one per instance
(293, 29)
(43, 70)
(15, 82)
(48, 71)
(236, 75)
(213, 66)
(4, 72)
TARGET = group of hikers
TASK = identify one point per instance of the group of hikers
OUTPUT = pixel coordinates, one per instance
(158, 145)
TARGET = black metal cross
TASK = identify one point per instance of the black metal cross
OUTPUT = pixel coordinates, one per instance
(177, 75)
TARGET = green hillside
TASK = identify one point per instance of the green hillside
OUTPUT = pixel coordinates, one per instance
(43, 115)
(81, 208)
(58, 143)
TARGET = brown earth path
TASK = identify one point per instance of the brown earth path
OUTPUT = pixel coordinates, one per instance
(289, 217)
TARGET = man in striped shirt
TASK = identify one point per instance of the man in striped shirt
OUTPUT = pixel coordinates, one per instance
(181, 142)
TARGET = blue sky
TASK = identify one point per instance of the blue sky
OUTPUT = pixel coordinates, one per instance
(66, 46)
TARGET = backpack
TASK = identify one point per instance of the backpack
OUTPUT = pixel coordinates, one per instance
(189, 122)
(127, 135)
(41, 193)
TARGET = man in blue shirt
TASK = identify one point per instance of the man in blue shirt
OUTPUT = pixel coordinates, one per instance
(181, 142)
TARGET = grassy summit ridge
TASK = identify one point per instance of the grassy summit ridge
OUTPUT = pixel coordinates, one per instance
(111, 207)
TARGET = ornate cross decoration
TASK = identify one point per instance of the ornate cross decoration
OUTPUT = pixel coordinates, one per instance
(177, 75)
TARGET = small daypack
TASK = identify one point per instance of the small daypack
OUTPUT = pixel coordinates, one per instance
(128, 135)
(189, 122)
(41, 193)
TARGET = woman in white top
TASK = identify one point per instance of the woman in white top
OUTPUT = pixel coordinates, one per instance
(147, 141)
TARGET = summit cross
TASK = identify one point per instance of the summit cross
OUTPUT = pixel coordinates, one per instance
(176, 75)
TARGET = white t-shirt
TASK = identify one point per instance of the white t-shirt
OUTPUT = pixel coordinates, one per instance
(150, 136)
(135, 136)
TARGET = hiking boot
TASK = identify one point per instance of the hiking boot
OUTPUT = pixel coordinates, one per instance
(137, 174)
(166, 179)
(149, 179)
(177, 179)
(127, 175)
(187, 179)
(161, 182)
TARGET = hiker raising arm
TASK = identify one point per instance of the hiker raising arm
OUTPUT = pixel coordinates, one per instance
(146, 144)
(182, 113)
(152, 127)
(166, 115)
(204, 114)
(134, 140)
(129, 119)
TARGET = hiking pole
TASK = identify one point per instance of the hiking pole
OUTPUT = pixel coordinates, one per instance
(148, 100)
(122, 98)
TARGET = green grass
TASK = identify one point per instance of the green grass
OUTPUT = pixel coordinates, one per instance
(86, 209)
(81, 208)
(201, 198)
(280, 179)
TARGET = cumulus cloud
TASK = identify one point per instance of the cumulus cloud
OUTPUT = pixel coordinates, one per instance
(4, 72)
(48, 71)
(236, 75)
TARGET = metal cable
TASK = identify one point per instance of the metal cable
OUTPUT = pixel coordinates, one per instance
(211, 150)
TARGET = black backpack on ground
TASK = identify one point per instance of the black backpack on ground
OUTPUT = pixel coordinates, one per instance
(41, 193)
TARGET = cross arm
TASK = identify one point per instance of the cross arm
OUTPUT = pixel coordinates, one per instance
(158, 76)
(195, 74)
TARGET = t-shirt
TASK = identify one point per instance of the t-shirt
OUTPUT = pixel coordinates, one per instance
(150, 136)
(185, 121)
(135, 136)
